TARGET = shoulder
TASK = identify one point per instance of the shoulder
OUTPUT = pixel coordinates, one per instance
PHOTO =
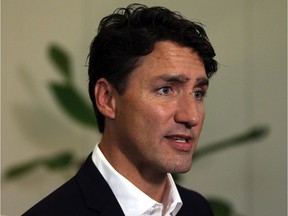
(193, 203)
(87, 193)
(64, 200)
(68, 199)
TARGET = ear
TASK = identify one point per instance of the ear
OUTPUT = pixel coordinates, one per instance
(104, 97)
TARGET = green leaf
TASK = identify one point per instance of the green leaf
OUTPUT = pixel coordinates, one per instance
(21, 169)
(244, 138)
(73, 104)
(61, 60)
(220, 207)
(58, 161)
(61, 160)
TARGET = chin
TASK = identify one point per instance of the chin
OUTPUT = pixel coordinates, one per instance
(181, 167)
(182, 170)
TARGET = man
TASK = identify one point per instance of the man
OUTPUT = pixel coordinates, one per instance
(148, 76)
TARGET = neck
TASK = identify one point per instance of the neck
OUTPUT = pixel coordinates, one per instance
(148, 180)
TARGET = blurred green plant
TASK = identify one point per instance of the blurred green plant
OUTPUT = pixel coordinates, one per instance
(71, 101)
(66, 93)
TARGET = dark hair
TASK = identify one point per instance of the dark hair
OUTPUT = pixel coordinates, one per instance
(130, 33)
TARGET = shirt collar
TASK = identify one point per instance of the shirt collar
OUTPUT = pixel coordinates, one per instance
(131, 199)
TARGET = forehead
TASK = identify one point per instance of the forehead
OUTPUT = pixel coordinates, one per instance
(171, 58)
(169, 49)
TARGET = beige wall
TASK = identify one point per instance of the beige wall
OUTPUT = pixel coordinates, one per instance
(250, 89)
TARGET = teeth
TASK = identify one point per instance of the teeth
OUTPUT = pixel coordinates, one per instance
(179, 139)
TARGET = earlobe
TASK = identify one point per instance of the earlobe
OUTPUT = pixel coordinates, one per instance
(104, 97)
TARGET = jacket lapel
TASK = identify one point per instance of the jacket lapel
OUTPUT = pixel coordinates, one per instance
(95, 190)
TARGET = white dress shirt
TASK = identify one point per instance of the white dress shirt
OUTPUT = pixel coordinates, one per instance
(131, 199)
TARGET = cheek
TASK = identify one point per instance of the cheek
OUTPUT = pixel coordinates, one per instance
(144, 114)
(155, 113)
(149, 121)
(201, 112)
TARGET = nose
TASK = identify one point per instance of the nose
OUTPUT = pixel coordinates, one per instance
(189, 112)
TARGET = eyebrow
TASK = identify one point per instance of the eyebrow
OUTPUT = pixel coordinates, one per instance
(201, 81)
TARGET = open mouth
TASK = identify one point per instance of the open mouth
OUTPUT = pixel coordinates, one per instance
(181, 142)
(179, 138)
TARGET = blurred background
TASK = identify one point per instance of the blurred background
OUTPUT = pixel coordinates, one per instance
(250, 90)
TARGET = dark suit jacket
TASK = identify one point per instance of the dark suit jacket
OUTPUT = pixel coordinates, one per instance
(87, 194)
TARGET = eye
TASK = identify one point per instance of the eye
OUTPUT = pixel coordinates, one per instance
(165, 90)
(199, 95)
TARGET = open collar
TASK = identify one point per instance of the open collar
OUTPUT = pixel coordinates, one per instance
(96, 192)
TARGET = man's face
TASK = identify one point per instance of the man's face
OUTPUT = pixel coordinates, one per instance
(160, 115)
